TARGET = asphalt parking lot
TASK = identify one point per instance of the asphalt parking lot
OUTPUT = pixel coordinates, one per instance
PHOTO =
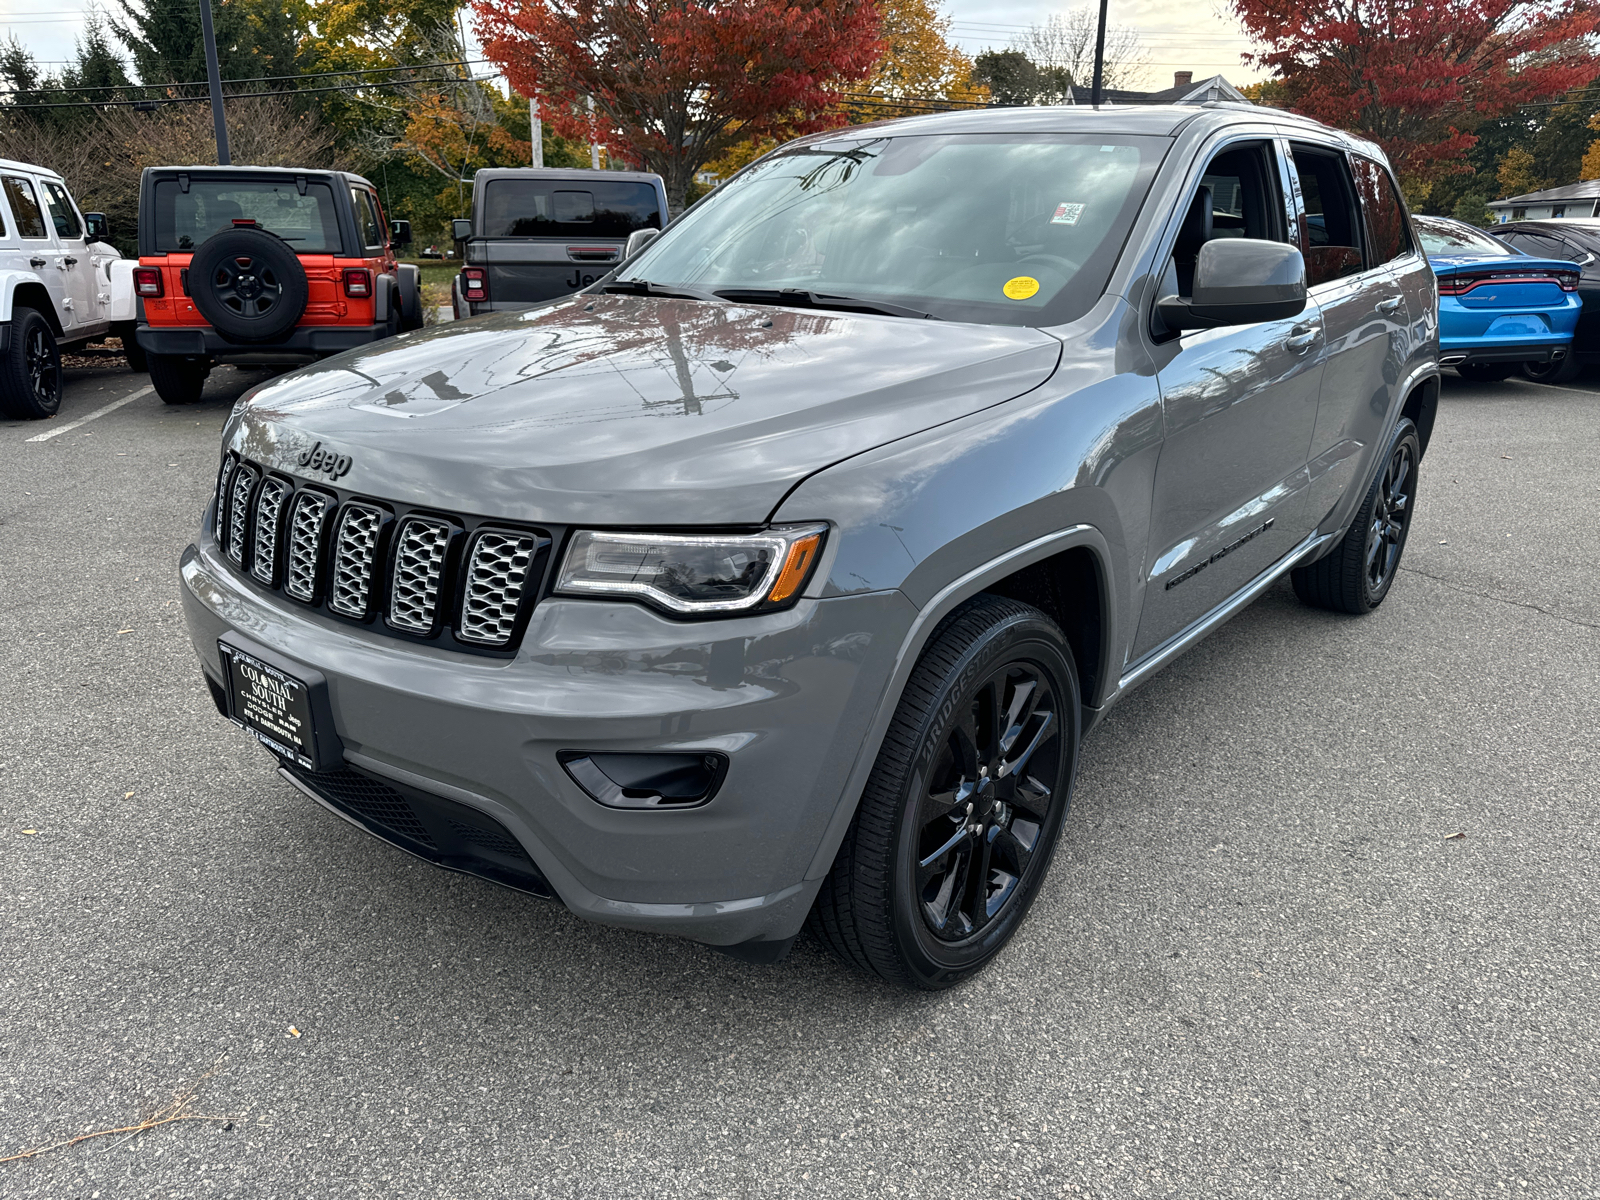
(1324, 922)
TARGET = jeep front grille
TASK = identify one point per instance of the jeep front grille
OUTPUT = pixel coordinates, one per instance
(244, 482)
(418, 574)
(304, 551)
(497, 572)
(458, 582)
(269, 508)
(354, 551)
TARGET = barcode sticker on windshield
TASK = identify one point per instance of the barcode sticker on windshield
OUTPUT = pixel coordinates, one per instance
(1067, 214)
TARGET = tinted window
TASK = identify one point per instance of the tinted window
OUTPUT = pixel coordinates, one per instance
(1386, 217)
(1543, 246)
(185, 219)
(1017, 229)
(366, 219)
(1451, 237)
(1330, 235)
(1244, 198)
(24, 208)
(568, 208)
(62, 213)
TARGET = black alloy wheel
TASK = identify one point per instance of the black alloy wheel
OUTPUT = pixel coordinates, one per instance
(959, 819)
(249, 284)
(1358, 572)
(1391, 513)
(30, 372)
(985, 805)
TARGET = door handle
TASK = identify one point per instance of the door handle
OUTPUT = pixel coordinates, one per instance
(69, 261)
(1392, 304)
(36, 263)
(1301, 338)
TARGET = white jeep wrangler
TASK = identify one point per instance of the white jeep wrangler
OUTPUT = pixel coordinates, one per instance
(61, 284)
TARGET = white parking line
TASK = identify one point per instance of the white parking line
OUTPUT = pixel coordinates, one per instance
(99, 412)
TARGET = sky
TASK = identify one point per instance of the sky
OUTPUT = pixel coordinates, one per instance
(1177, 37)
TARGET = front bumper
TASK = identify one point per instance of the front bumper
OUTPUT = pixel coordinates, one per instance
(786, 696)
(308, 342)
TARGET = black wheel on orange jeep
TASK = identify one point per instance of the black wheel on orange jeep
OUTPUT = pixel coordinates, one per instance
(178, 380)
(249, 284)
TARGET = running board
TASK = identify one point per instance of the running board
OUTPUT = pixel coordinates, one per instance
(1200, 629)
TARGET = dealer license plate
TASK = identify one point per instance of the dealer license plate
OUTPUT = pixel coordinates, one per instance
(271, 704)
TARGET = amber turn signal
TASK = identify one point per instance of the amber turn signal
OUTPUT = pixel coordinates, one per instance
(795, 568)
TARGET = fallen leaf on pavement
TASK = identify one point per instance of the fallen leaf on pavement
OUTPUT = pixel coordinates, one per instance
(120, 632)
(1455, 837)
(127, 795)
(30, 831)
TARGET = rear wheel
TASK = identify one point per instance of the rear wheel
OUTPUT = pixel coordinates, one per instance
(959, 819)
(30, 369)
(1359, 573)
(1553, 372)
(178, 380)
(1486, 372)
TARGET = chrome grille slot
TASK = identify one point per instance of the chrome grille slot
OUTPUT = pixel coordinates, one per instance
(224, 477)
(244, 482)
(269, 509)
(418, 573)
(305, 545)
(497, 571)
(355, 549)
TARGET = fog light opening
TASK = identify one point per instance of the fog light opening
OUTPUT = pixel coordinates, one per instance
(646, 780)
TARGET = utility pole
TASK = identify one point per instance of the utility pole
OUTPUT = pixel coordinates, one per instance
(537, 128)
(217, 117)
(1099, 57)
(594, 147)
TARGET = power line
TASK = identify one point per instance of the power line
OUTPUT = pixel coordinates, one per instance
(117, 87)
(359, 87)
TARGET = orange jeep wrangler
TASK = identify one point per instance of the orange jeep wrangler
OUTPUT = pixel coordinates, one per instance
(263, 266)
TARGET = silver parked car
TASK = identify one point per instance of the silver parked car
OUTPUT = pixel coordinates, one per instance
(780, 574)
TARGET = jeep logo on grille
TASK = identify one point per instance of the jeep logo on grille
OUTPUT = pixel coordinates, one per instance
(318, 459)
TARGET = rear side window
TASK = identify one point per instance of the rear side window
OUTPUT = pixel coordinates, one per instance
(568, 208)
(1386, 218)
(62, 212)
(1330, 230)
(185, 219)
(1542, 245)
(367, 219)
(24, 207)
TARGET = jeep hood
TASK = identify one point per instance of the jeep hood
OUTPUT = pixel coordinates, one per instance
(630, 410)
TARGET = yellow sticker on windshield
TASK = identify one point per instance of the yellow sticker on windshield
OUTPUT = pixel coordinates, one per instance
(1021, 287)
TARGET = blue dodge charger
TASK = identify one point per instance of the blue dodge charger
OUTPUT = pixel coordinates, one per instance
(1498, 307)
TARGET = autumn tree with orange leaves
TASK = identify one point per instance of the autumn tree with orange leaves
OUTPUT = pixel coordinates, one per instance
(1419, 77)
(675, 83)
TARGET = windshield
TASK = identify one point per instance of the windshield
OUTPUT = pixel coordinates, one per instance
(568, 208)
(1447, 237)
(185, 219)
(1017, 229)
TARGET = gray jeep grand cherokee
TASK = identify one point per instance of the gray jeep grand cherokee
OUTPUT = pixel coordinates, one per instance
(781, 573)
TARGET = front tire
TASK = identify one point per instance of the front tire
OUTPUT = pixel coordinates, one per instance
(1359, 573)
(30, 369)
(959, 819)
(178, 380)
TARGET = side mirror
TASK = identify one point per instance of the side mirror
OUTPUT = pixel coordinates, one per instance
(99, 227)
(461, 229)
(638, 240)
(1239, 281)
(399, 234)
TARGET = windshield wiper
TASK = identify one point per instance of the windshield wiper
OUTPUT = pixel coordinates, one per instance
(643, 287)
(804, 299)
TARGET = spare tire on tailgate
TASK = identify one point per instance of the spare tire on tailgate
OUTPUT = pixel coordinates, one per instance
(249, 284)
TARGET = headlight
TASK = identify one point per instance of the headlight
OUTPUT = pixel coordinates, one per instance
(692, 574)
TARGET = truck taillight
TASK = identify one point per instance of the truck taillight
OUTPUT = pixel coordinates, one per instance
(357, 283)
(475, 283)
(147, 281)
